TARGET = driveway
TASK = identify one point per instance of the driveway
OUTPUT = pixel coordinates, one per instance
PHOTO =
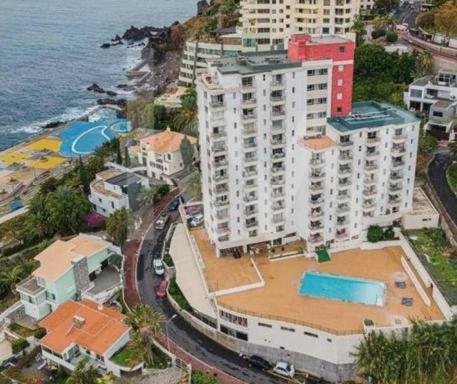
(437, 176)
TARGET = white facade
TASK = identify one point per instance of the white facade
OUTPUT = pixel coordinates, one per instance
(269, 173)
(112, 190)
(266, 24)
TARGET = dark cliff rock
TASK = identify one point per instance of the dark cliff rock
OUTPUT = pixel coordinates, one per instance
(105, 45)
(135, 34)
(96, 88)
(122, 103)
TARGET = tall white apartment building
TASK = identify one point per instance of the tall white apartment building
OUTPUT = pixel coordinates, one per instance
(267, 24)
(275, 168)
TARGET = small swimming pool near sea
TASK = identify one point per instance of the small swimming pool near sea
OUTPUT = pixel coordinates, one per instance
(342, 288)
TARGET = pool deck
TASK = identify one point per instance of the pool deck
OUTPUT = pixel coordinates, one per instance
(279, 298)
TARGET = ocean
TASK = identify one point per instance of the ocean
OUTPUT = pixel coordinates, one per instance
(50, 53)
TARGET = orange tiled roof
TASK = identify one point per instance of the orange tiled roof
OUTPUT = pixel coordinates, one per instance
(101, 329)
(319, 143)
(57, 258)
(165, 142)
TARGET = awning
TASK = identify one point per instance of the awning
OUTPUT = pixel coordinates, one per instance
(322, 256)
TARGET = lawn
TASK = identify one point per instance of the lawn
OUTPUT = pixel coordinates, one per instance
(452, 177)
(126, 357)
(438, 258)
(20, 330)
(161, 360)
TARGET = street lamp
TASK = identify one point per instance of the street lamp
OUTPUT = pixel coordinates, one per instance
(166, 329)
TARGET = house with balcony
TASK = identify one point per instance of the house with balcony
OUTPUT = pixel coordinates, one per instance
(161, 155)
(85, 330)
(82, 267)
(114, 189)
(436, 97)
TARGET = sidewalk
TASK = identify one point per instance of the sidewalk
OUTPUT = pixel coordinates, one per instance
(447, 52)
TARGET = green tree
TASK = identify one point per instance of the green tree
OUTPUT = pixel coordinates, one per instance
(359, 28)
(427, 143)
(446, 19)
(118, 152)
(424, 63)
(147, 324)
(186, 118)
(9, 277)
(385, 7)
(66, 209)
(37, 221)
(95, 164)
(426, 21)
(117, 226)
(83, 374)
(127, 162)
(49, 185)
(83, 178)
(194, 185)
(391, 37)
(187, 152)
(375, 234)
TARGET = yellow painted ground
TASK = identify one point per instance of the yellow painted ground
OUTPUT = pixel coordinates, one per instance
(47, 162)
(12, 157)
(44, 144)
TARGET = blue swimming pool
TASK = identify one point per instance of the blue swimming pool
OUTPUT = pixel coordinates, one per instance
(343, 288)
(83, 137)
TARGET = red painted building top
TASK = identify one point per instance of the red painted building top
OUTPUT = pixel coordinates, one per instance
(341, 52)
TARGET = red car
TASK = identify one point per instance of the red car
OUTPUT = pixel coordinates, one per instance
(161, 290)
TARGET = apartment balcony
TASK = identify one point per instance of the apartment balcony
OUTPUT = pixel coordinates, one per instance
(278, 129)
(344, 184)
(278, 207)
(278, 142)
(342, 223)
(249, 145)
(345, 171)
(369, 192)
(370, 168)
(221, 203)
(371, 154)
(397, 164)
(394, 200)
(277, 114)
(340, 236)
(343, 208)
(278, 218)
(250, 159)
(346, 143)
(250, 102)
(247, 86)
(278, 170)
(220, 189)
(278, 194)
(316, 162)
(249, 186)
(373, 140)
(250, 198)
(316, 187)
(369, 204)
(249, 129)
(251, 224)
(315, 214)
(223, 230)
(395, 187)
(277, 100)
(278, 155)
(345, 159)
(276, 85)
(398, 139)
(219, 149)
(219, 134)
(219, 163)
(343, 197)
(220, 178)
(319, 176)
(222, 215)
(250, 173)
(217, 105)
(315, 240)
(277, 181)
(250, 212)
(396, 176)
(315, 228)
(248, 117)
(316, 202)
(398, 150)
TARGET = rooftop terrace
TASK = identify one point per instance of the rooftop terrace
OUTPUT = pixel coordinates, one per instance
(371, 114)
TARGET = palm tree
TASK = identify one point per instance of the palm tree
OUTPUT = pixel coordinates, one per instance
(146, 323)
(424, 62)
(359, 28)
(83, 374)
(105, 379)
(9, 277)
(186, 119)
(140, 350)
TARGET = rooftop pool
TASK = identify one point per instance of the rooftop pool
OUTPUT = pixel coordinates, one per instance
(342, 288)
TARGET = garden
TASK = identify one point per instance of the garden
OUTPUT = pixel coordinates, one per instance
(438, 257)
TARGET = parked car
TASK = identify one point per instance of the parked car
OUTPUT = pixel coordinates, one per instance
(159, 269)
(161, 290)
(196, 220)
(259, 362)
(161, 221)
(284, 369)
(173, 206)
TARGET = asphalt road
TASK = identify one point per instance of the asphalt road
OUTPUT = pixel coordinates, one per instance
(437, 175)
(407, 13)
(181, 332)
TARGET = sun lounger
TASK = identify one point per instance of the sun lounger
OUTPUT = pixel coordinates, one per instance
(400, 284)
(408, 301)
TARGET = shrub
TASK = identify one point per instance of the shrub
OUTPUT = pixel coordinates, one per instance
(199, 377)
(19, 345)
(391, 37)
(39, 333)
(176, 293)
(389, 233)
(375, 234)
(377, 33)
